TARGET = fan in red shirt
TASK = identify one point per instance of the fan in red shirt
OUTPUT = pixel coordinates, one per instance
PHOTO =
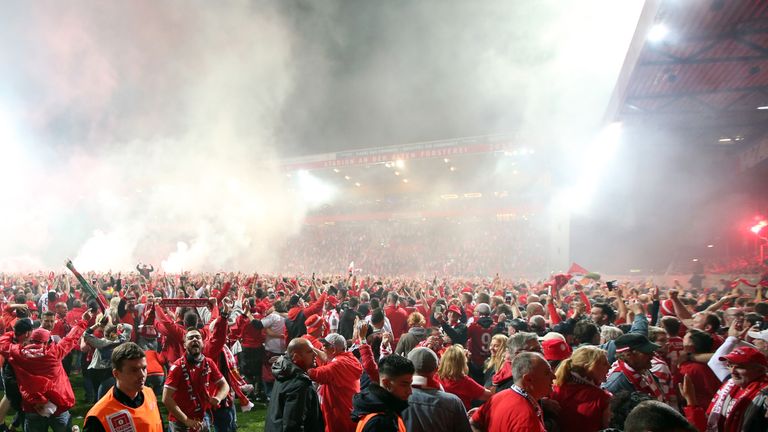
(704, 380)
(453, 376)
(517, 408)
(584, 406)
(480, 333)
(194, 386)
(398, 317)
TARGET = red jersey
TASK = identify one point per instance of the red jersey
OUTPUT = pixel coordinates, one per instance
(197, 385)
(250, 336)
(480, 333)
(465, 388)
(508, 411)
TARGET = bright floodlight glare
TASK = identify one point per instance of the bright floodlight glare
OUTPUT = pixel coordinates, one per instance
(657, 33)
(764, 107)
(313, 190)
(597, 156)
(400, 163)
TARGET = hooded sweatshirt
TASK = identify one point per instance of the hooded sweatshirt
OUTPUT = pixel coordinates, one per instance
(376, 399)
(295, 405)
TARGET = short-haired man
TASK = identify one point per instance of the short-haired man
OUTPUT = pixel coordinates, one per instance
(294, 405)
(655, 416)
(339, 379)
(430, 408)
(129, 406)
(194, 386)
(517, 343)
(517, 409)
(379, 407)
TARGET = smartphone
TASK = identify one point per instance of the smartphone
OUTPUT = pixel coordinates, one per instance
(508, 297)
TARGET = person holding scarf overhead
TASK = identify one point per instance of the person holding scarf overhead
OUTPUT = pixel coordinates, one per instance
(194, 387)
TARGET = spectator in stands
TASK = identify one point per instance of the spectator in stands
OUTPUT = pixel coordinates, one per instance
(518, 409)
(294, 405)
(379, 407)
(429, 408)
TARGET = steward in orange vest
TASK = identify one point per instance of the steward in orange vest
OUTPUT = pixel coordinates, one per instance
(128, 406)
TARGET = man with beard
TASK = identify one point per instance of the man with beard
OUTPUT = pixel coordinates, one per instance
(129, 406)
(632, 370)
(194, 386)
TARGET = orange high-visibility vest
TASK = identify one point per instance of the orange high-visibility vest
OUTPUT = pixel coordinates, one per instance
(364, 420)
(116, 417)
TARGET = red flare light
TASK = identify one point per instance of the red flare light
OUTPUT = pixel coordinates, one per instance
(759, 227)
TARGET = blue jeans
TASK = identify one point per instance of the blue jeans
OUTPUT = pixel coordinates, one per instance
(37, 423)
(224, 419)
(179, 427)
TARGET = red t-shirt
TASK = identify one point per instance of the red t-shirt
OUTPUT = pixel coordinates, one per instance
(581, 406)
(177, 382)
(398, 318)
(704, 381)
(465, 388)
(508, 411)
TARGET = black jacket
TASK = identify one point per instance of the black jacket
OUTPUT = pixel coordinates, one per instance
(295, 406)
(376, 399)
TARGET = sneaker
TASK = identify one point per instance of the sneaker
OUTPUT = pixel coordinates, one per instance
(246, 408)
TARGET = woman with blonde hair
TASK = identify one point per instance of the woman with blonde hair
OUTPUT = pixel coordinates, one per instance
(416, 333)
(452, 374)
(584, 406)
(498, 349)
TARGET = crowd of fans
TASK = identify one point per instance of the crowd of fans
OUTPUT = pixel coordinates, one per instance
(349, 353)
(481, 247)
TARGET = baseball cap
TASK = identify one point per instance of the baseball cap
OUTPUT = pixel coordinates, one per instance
(635, 342)
(424, 360)
(745, 355)
(759, 335)
(454, 308)
(334, 340)
(556, 349)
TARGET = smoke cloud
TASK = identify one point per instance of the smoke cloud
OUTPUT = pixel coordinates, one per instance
(148, 131)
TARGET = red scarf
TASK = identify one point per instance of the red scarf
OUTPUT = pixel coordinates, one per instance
(727, 409)
(642, 382)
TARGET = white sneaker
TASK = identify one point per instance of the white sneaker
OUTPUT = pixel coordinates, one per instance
(246, 408)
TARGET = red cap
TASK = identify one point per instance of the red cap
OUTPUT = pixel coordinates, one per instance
(745, 355)
(454, 308)
(556, 349)
(332, 300)
(40, 335)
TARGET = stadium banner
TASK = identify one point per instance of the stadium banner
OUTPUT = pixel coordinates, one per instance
(184, 302)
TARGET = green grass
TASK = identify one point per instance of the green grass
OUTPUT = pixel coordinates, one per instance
(252, 421)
